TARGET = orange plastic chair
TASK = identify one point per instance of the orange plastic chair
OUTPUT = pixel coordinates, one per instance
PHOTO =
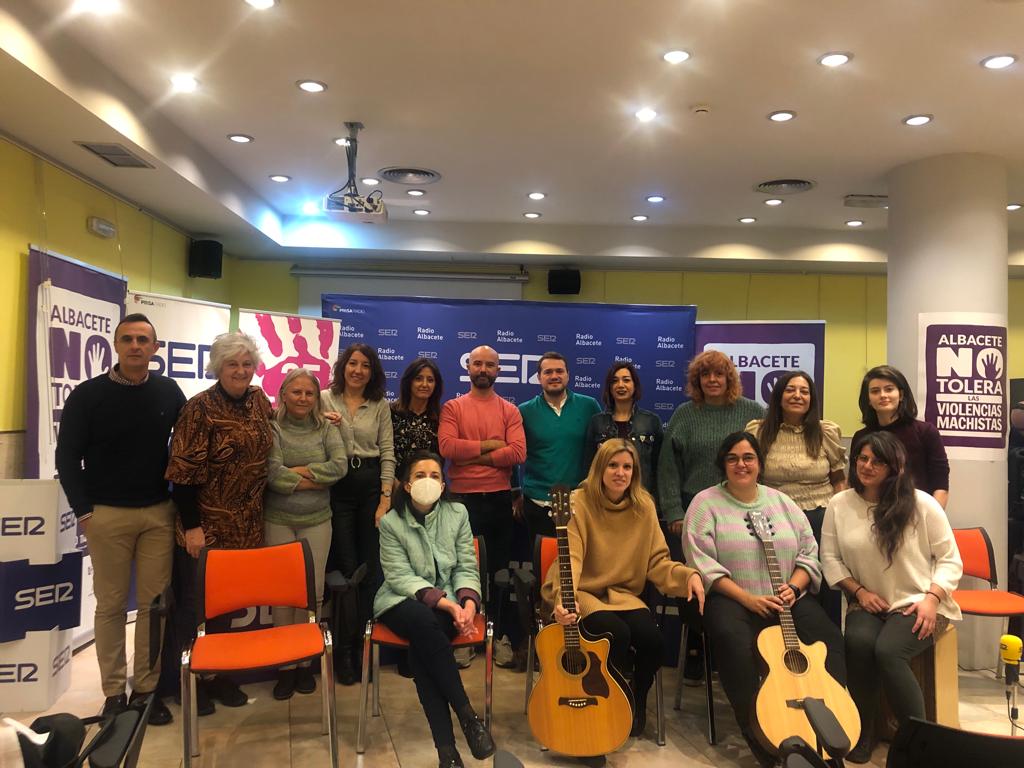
(980, 562)
(377, 635)
(233, 579)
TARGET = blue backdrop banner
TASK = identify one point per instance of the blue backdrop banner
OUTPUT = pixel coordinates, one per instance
(659, 340)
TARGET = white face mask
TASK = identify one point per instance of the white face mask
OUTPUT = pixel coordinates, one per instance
(426, 490)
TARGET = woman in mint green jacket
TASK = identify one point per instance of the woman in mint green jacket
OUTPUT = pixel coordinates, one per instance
(430, 594)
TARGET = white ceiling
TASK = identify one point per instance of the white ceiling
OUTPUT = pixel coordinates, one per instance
(504, 98)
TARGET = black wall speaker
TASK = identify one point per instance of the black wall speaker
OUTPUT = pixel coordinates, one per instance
(564, 281)
(205, 258)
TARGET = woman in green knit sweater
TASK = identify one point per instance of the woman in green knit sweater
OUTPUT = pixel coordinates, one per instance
(307, 457)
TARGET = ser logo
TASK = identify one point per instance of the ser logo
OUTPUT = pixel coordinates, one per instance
(548, 337)
(390, 374)
(466, 334)
(586, 361)
(431, 355)
(664, 363)
(387, 331)
(625, 341)
(664, 407)
(20, 672)
(61, 660)
(24, 525)
(46, 594)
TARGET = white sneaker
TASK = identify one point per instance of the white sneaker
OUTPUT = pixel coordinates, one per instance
(504, 656)
(464, 657)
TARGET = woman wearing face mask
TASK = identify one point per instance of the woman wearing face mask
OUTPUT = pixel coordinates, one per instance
(616, 546)
(890, 548)
(803, 458)
(431, 593)
(625, 419)
(416, 412)
(887, 404)
(307, 457)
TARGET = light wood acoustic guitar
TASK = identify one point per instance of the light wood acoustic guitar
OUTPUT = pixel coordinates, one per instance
(795, 671)
(580, 705)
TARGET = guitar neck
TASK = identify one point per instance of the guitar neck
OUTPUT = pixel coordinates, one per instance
(789, 635)
(566, 588)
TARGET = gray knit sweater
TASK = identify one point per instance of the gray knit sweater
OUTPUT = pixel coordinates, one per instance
(301, 444)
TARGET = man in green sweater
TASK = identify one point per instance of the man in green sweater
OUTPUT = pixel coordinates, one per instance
(555, 422)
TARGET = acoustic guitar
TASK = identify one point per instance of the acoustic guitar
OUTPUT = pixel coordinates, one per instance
(795, 671)
(580, 705)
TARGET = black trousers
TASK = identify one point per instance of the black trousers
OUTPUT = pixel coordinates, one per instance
(490, 517)
(830, 599)
(434, 670)
(538, 522)
(733, 631)
(636, 642)
(354, 536)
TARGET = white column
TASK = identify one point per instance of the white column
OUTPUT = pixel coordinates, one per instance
(948, 253)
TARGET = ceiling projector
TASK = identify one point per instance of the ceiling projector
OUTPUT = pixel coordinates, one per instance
(351, 206)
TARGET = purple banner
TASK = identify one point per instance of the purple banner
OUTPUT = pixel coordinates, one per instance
(73, 311)
(965, 381)
(762, 352)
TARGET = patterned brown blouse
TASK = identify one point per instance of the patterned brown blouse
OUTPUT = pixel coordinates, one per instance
(220, 445)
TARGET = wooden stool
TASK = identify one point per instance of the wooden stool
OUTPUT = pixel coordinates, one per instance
(937, 673)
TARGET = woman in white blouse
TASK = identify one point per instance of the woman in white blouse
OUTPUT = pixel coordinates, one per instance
(891, 549)
(804, 458)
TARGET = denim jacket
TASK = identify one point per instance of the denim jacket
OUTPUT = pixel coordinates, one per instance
(645, 432)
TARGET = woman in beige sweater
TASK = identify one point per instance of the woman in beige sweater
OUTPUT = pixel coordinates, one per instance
(616, 546)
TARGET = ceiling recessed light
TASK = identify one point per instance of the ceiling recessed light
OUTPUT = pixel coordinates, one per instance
(855, 223)
(415, 192)
(262, 5)
(782, 116)
(917, 119)
(676, 57)
(774, 201)
(280, 178)
(312, 86)
(240, 138)
(1013, 207)
(342, 141)
(370, 181)
(655, 199)
(835, 59)
(421, 212)
(99, 7)
(536, 195)
(1002, 61)
(645, 114)
(531, 215)
(311, 208)
(639, 217)
(747, 220)
(184, 83)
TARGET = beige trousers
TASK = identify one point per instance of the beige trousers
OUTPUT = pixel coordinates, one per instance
(119, 536)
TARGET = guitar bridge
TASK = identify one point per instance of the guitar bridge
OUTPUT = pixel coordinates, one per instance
(577, 702)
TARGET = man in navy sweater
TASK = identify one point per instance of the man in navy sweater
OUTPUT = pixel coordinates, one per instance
(111, 459)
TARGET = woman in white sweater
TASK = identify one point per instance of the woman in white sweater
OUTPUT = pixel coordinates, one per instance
(889, 547)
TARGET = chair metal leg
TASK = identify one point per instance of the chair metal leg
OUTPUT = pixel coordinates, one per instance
(376, 680)
(659, 704)
(529, 672)
(712, 730)
(363, 690)
(187, 708)
(684, 630)
(330, 702)
(489, 675)
(326, 633)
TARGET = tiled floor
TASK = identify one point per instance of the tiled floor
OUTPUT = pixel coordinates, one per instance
(281, 734)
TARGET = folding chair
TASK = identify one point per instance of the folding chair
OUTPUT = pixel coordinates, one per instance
(233, 579)
(693, 622)
(377, 635)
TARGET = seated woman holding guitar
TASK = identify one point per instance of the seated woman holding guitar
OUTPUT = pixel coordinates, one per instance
(616, 546)
(744, 575)
(890, 548)
(431, 593)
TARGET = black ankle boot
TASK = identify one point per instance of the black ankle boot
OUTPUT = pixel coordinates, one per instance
(477, 736)
(448, 757)
(343, 669)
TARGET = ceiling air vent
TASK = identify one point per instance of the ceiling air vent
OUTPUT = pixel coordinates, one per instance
(784, 186)
(411, 176)
(866, 201)
(115, 154)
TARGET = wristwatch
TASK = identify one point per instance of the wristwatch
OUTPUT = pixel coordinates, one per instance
(386, 494)
(796, 590)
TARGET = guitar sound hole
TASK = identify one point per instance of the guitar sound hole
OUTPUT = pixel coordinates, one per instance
(796, 662)
(574, 661)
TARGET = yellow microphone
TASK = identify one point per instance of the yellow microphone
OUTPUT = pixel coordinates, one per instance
(1010, 652)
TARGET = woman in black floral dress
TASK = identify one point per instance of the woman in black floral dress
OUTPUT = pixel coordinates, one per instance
(415, 414)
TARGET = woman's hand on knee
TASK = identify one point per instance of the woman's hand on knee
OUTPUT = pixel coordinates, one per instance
(926, 610)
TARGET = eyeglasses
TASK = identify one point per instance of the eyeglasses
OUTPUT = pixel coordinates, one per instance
(732, 459)
(871, 461)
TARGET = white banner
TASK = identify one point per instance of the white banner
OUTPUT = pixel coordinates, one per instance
(291, 341)
(186, 328)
